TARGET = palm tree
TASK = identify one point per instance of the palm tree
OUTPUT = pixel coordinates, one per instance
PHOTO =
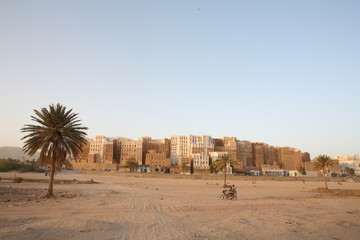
(132, 164)
(350, 171)
(213, 168)
(221, 162)
(58, 134)
(302, 170)
(322, 163)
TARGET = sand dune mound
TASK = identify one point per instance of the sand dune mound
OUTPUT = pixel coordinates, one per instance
(339, 192)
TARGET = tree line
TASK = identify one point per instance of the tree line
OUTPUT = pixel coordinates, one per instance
(17, 165)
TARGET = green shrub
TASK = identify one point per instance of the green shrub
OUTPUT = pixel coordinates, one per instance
(15, 165)
(8, 165)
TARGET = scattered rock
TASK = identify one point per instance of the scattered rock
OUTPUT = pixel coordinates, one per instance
(113, 192)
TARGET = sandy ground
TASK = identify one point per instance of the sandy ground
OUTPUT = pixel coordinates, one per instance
(129, 207)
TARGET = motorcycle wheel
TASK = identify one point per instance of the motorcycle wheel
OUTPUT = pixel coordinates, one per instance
(221, 197)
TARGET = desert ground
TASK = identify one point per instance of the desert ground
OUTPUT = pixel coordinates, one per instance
(145, 206)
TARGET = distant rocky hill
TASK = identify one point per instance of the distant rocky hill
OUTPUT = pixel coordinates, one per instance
(15, 153)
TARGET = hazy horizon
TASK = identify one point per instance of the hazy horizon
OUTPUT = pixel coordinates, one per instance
(286, 73)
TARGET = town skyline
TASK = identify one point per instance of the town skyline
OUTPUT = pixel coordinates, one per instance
(240, 139)
(197, 154)
(237, 138)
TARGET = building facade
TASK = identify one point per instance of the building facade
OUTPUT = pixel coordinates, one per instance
(101, 150)
(290, 158)
(158, 145)
(198, 152)
(157, 160)
(230, 145)
(131, 150)
(201, 162)
(186, 146)
(245, 153)
(350, 161)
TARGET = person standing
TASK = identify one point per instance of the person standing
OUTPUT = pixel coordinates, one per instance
(234, 190)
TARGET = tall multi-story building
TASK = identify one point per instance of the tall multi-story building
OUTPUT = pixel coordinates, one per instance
(159, 145)
(101, 149)
(131, 149)
(264, 154)
(125, 149)
(270, 155)
(290, 158)
(227, 144)
(309, 166)
(245, 153)
(157, 160)
(185, 146)
(200, 144)
(179, 148)
(305, 157)
(117, 143)
(186, 164)
(201, 161)
(258, 155)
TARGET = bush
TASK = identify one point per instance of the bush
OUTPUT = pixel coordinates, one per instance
(15, 165)
(18, 179)
(350, 171)
(8, 165)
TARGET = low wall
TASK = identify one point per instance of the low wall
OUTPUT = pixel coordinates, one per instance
(94, 166)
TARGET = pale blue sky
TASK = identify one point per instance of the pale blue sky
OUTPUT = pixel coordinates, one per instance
(282, 72)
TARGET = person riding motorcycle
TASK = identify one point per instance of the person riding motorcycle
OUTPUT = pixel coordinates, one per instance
(233, 190)
(229, 192)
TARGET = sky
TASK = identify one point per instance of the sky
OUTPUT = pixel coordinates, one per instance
(286, 73)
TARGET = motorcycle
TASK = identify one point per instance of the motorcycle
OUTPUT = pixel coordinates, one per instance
(226, 194)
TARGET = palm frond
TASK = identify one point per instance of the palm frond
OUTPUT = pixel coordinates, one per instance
(323, 162)
(222, 161)
(58, 133)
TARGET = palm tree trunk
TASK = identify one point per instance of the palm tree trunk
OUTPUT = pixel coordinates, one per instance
(51, 181)
(326, 186)
(225, 177)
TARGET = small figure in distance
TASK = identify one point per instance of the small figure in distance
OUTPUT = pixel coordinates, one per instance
(234, 190)
(231, 191)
